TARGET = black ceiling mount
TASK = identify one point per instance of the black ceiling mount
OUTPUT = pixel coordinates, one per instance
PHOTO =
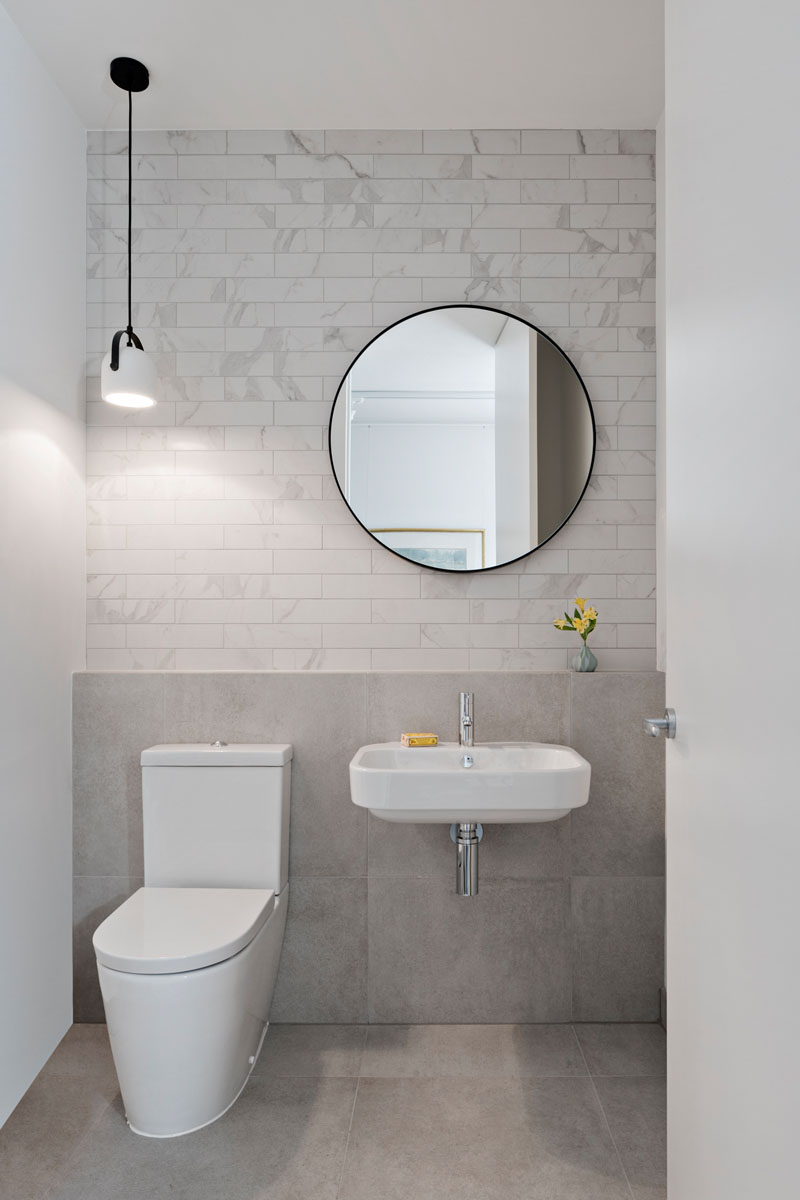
(129, 74)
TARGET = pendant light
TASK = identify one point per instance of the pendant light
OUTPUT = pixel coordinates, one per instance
(128, 377)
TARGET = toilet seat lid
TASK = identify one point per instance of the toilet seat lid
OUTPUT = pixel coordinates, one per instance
(160, 931)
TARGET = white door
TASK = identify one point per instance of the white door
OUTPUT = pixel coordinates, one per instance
(732, 597)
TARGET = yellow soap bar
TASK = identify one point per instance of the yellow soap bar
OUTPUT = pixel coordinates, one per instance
(419, 739)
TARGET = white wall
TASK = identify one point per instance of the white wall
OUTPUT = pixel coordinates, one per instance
(733, 580)
(423, 476)
(451, 350)
(42, 551)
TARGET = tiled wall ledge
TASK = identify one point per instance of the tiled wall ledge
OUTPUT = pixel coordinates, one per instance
(569, 920)
(264, 260)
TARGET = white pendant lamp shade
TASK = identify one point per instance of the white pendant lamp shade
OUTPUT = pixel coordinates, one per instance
(133, 384)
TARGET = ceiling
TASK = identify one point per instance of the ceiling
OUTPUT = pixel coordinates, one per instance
(357, 64)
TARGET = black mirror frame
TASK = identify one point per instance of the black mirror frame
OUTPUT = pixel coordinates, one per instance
(504, 313)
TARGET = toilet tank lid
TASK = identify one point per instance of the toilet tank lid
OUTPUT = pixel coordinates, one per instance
(218, 754)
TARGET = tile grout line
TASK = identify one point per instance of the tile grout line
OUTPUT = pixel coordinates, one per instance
(350, 1126)
(605, 1118)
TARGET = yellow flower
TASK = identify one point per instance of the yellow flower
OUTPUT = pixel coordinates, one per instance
(560, 623)
(590, 614)
(581, 625)
(580, 602)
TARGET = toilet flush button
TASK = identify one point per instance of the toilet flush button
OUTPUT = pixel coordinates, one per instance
(252, 1059)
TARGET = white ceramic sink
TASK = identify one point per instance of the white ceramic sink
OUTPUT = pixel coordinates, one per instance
(508, 782)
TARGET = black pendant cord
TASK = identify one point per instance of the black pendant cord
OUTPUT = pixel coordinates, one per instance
(130, 210)
(128, 332)
(131, 76)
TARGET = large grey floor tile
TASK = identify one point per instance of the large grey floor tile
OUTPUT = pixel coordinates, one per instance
(284, 1139)
(431, 1139)
(312, 1051)
(621, 830)
(636, 1110)
(572, 1154)
(471, 1051)
(84, 1050)
(624, 1049)
(45, 1129)
(618, 941)
(502, 956)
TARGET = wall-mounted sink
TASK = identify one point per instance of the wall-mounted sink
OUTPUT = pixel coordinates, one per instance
(496, 782)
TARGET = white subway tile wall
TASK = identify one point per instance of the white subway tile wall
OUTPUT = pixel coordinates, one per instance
(264, 260)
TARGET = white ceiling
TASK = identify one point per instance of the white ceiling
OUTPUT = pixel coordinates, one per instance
(357, 64)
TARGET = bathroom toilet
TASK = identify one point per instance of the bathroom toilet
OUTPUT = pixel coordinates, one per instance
(187, 965)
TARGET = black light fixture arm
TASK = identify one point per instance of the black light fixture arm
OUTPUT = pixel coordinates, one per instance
(131, 76)
(115, 341)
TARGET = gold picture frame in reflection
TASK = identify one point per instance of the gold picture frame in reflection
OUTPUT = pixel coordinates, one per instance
(445, 549)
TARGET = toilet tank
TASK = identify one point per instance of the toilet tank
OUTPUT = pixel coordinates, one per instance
(216, 815)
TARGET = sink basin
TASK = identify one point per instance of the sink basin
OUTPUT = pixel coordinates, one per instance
(508, 782)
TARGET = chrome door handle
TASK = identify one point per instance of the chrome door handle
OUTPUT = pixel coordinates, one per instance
(655, 726)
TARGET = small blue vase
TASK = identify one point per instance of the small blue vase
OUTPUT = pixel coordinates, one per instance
(584, 660)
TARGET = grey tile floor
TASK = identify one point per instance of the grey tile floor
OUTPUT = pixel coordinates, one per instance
(385, 1112)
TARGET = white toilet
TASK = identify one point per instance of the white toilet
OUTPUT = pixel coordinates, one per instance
(187, 964)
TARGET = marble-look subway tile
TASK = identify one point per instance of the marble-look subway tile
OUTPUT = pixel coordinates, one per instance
(373, 141)
(422, 166)
(611, 166)
(280, 281)
(521, 166)
(637, 191)
(275, 141)
(471, 141)
(473, 191)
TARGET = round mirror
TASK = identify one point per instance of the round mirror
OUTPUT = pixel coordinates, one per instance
(462, 438)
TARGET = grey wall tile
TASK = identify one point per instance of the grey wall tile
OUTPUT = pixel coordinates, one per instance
(93, 898)
(506, 852)
(502, 956)
(525, 870)
(205, 707)
(323, 716)
(323, 970)
(524, 706)
(621, 829)
(618, 939)
(115, 717)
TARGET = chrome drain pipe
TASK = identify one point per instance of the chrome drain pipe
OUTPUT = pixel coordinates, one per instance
(466, 835)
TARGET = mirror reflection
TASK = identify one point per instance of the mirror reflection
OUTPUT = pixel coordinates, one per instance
(462, 438)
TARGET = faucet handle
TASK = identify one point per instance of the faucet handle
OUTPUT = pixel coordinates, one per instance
(465, 706)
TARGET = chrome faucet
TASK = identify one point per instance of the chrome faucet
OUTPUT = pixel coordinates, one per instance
(466, 731)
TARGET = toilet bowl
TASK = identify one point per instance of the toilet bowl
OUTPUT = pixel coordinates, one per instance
(187, 970)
